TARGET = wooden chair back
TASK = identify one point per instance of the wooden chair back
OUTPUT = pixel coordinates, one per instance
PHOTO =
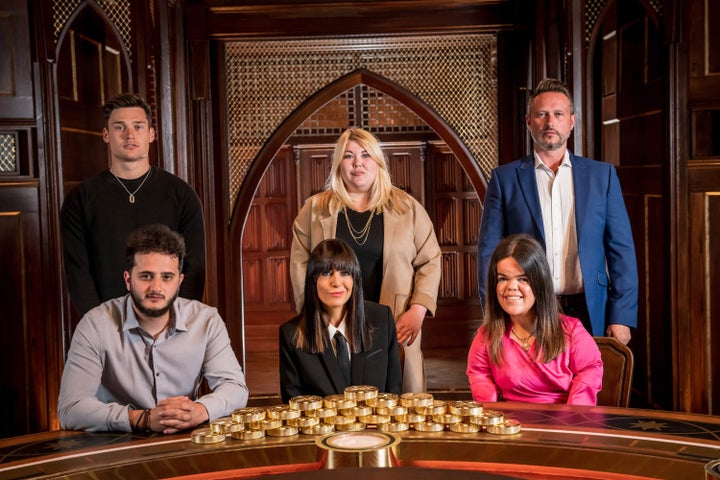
(618, 365)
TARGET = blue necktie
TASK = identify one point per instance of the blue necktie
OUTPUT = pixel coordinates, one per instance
(343, 356)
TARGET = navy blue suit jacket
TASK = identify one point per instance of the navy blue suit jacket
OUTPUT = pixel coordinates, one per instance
(303, 373)
(605, 241)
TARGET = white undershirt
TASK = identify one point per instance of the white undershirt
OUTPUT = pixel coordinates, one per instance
(557, 202)
(331, 332)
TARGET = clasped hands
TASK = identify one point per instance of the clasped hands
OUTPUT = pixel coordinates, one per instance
(174, 414)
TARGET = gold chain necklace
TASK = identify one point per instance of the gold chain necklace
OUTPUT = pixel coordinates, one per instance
(131, 195)
(360, 236)
(524, 342)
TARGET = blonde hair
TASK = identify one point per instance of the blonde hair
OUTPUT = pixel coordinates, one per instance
(382, 193)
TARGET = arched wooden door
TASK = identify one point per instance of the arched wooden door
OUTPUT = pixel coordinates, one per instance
(446, 180)
(92, 67)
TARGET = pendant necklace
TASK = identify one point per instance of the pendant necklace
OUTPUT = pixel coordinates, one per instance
(360, 236)
(524, 342)
(131, 195)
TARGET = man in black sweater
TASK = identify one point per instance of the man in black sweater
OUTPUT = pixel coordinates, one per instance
(100, 213)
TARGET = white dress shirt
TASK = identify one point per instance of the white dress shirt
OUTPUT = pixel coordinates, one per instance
(557, 202)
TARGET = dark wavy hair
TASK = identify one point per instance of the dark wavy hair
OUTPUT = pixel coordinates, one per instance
(154, 238)
(127, 100)
(329, 255)
(530, 256)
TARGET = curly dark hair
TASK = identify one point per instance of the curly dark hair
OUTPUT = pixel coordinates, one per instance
(127, 100)
(155, 238)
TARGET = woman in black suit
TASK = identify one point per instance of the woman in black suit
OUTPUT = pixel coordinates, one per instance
(336, 327)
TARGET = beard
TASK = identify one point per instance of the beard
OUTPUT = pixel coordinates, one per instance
(151, 312)
(549, 146)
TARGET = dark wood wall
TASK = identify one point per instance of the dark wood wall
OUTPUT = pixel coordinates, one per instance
(645, 76)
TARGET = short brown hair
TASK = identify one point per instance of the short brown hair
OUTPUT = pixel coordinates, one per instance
(127, 100)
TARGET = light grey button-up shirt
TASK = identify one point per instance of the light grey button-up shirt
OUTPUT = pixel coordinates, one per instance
(114, 365)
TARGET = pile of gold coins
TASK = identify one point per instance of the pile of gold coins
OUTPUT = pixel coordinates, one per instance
(358, 408)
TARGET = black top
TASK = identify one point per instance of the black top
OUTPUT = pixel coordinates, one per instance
(370, 254)
(97, 218)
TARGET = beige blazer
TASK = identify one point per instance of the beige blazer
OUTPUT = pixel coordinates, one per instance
(411, 255)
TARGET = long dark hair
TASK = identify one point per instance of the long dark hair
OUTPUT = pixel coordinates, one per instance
(328, 255)
(530, 256)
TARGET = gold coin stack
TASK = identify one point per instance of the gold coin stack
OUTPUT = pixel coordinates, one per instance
(358, 408)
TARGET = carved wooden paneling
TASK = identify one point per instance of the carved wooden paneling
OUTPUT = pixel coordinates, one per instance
(277, 231)
(702, 19)
(446, 221)
(24, 393)
(471, 274)
(313, 169)
(16, 82)
(406, 166)
(451, 278)
(652, 343)
(89, 74)
(252, 237)
(266, 240)
(472, 213)
(712, 295)
(253, 281)
(278, 269)
(630, 120)
(703, 322)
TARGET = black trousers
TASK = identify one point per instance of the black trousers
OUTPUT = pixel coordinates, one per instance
(576, 306)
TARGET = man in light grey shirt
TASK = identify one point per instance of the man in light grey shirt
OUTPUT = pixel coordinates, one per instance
(136, 362)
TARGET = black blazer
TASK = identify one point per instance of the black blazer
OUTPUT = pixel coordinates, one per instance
(303, 373)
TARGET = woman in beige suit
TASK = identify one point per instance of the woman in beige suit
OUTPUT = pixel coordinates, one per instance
(391, 234)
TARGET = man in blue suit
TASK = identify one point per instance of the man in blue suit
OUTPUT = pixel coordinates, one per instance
(574, 207)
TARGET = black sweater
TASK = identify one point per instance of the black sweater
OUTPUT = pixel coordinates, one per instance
(97, 218)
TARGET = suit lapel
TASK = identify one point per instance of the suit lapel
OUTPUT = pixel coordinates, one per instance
(582, 193)
(528, 185)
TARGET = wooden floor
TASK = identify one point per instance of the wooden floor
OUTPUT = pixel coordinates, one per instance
(446, 340)
(444, 370)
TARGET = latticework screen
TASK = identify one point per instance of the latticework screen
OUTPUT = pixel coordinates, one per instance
(593, 10)
(455, 75)
(118, 11)
(8, 153)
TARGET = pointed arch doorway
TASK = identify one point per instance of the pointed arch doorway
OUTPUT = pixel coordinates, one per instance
(93, 66)
(426, 159)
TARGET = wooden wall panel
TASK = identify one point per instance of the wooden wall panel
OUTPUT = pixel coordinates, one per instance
(712, 296)
(657, 334)
(698, 319)
(407, 168)
(702, 18)
(16, 81)
(701, 389)
(633, 138)
(455, 209)
(313, 166)
(24, 394)
(268, 296)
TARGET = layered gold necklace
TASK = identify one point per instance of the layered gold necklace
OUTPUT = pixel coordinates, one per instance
(360, 236)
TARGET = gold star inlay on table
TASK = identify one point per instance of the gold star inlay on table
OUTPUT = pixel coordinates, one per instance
(649, 425)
